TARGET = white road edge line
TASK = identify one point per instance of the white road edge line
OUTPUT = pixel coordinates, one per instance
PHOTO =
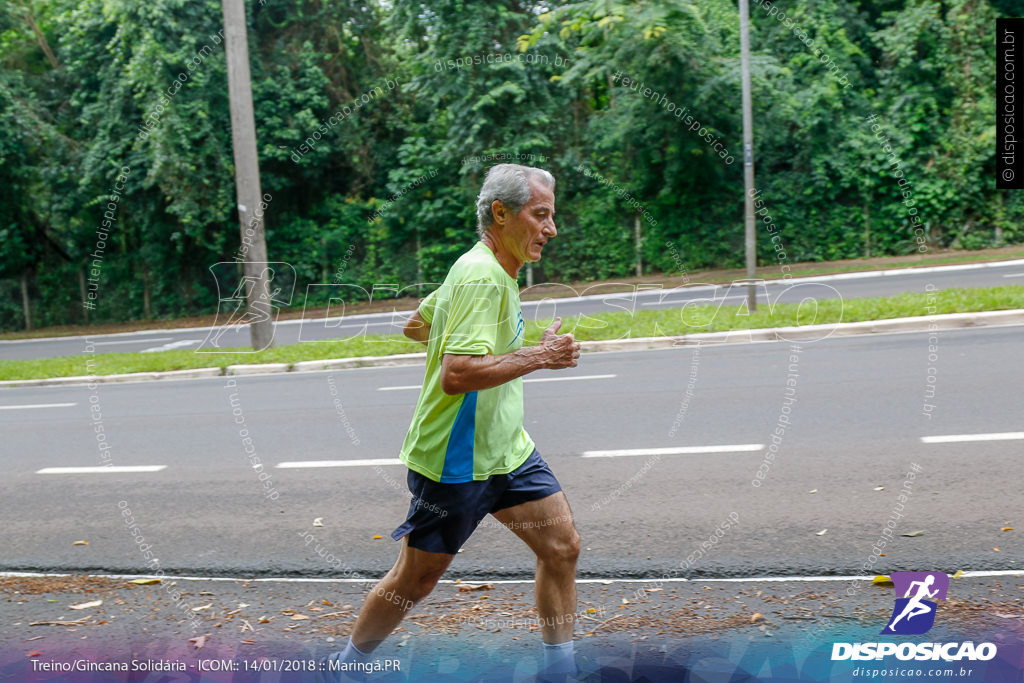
(289, 579)
(131, 341)
(735, 297)
(119, 469)
(680, 450)
(28, 406)
(535, 379)
(962, 438)
(303, 464)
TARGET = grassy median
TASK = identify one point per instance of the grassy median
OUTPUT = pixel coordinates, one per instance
(709, 317)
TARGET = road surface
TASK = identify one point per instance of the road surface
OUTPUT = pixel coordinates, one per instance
(849, 416)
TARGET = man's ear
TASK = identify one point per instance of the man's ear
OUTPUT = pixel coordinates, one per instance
(499, 212)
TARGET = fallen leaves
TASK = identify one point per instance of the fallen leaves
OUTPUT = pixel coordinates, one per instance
(319, 521)
(299, 617)
(377, 537)
(1007, 528)
(882, 580)
(80, 543)
(71, 622)
(199, 641)
(202, 608)
(86, 605)
(822, 532)
(756, 617)
(913, 534)
(145, 581)
(466, 587)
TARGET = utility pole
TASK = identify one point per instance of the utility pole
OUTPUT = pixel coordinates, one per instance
(247, 176)
(638, 243)
(748, 157)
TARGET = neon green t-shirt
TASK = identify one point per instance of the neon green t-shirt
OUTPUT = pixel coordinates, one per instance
(472, 436)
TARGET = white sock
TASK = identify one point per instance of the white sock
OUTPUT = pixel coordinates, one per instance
(353, 654)
(559, 659)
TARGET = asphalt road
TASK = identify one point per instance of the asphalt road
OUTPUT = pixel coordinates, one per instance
(593, 300)
(856, 425)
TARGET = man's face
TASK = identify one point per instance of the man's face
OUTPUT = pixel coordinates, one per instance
(524, 234)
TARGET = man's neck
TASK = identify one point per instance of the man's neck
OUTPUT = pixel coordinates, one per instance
(508, 262)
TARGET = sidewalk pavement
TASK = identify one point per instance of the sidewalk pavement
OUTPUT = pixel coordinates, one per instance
(72, 628)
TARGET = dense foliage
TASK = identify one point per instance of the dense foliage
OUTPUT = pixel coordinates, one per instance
(376, 122)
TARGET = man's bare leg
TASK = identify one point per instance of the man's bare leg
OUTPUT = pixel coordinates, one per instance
(413, 577)
(546, 526)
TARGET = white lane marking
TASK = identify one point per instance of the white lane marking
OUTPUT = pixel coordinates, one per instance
(667, 302)
(302, 464)
(609, 581)
(536, 379)
(132, 341)
(1014, 275)
(567, 379)
(119, 469)
(363, 325)
(173, 345)
(27, 406)
(961, 438)
(681, 450)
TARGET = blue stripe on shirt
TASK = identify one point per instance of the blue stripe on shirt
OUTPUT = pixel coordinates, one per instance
(458, 459)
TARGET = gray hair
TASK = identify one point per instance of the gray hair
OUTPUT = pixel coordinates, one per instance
(509, 184)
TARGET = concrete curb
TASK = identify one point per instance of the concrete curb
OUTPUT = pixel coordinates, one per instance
(805, 333)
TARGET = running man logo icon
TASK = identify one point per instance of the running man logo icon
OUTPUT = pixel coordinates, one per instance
(914, 612)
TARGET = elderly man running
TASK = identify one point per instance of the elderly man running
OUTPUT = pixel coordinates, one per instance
(467, 451)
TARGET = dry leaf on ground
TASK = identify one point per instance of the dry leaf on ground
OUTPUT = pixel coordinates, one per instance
(476, 587)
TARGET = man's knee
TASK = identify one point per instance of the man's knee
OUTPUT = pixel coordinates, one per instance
(423, 586)
(408, 589)
(565, 549)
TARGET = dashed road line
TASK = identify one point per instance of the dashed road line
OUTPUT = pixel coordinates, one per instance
(966, 438)
(172, 345)
(32, 406)
(116, 469)
(305, 464)
(678, 450)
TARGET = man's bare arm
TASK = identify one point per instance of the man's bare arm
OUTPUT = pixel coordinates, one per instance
(417, 329)
(461, 374)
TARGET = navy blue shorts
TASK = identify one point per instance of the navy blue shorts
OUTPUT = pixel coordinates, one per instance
(443, 516)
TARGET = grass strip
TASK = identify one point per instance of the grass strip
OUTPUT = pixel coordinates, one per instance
(704, 316)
